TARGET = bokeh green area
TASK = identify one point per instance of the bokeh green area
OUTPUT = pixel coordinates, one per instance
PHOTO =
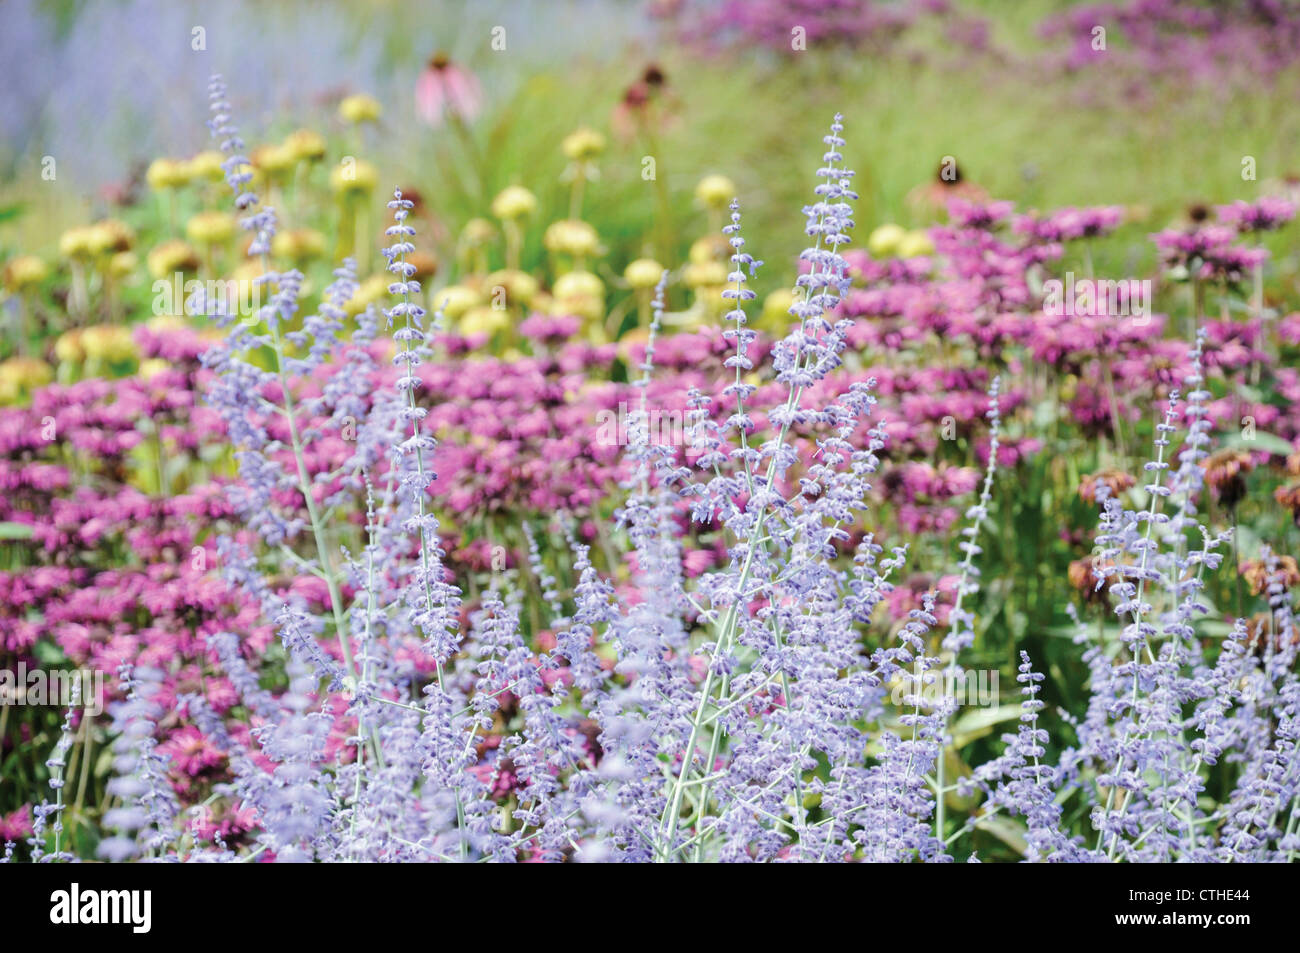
(1017, 126)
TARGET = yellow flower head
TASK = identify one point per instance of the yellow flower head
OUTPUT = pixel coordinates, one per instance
(368, 292)
(709, 248)
(23, 272)
(776, 309)
(455, 300)
(76, 242)
(170, 257)
(580, 293)
(166, 322)
(705, 274)
(571, 236)
(583, 145)
(168, 173)
(477, 231)
(715, 191)
(35, 372)
(515, 201)
(298, 245)
(305, 145)
(575, 283)
(210, 228)
(122, 264)
(883, 242)
(643, 273)
(519, 286)
(356, 177)
(21, 374)
(108, 342)
(360, 108)
(914, 244)
(153, 367)
(276, 161)
(109, 237)
(207, 165)
(483, 320)
(68, 347)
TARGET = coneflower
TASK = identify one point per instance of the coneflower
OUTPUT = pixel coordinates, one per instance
(1225, 473)
(1116, 482)
(1289, 496)
(445, 90)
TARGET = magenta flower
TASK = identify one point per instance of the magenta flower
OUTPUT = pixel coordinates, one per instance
(1208, 252)
(1266, 215)
(1070, 223)
(16, 825)
(190, 751)
(982, 215)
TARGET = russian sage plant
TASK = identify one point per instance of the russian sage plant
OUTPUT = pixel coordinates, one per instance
(746, 713)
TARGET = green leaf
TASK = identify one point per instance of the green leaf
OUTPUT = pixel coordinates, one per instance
(955, 768)
(1248, 542)
(174, 467)
(15, 531)
(1005, 830)
(977, 723)
(1267, 442)
(47, 653)
(1045, 413)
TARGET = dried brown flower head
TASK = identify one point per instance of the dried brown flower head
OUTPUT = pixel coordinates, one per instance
(1225, 472)
(1256, 573)
(1116, 481)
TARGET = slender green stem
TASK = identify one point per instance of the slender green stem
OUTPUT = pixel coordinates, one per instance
(318, 528)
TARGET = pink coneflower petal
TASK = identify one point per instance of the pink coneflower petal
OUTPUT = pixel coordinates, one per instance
(444, 89)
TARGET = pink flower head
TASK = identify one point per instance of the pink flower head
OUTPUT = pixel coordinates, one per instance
(190, 751)
(16, 825)
(1070, 223)
(696, 561)
(444, 89)
(1266, 215)
(985, 215)
(1208, 252)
